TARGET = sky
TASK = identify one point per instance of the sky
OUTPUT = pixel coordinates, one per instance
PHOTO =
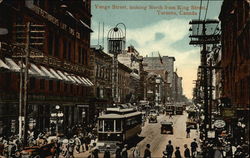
(156, 26)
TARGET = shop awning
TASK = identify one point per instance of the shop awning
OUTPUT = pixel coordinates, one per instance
(31, 72)
(12, 65)
(55, 74)
(83, 82)
(45, 71)
(76, 79)
(69, 77)
(3, 66)
(41, 74)
(66, 79)
(89, 82)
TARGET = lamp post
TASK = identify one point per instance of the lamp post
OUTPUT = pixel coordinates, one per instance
(57, 117)
(116, 45)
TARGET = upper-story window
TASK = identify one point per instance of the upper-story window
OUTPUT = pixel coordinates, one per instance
(65, 48)
(50, 43)
(57, 45)
(69, 50)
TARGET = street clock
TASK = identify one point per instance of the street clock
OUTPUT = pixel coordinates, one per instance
(219, 123)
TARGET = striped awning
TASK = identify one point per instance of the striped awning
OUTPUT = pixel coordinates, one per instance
(41, 74)
(50, 75)
(65, 78)
(55, 74)
(3, 66)
(12, 65)
(69, 77)
(45, 72)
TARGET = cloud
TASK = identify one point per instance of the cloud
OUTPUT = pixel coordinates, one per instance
(164, 36)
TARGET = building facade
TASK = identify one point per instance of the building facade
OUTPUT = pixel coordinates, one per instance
(235, 61)
(56, 39)
(165, 67)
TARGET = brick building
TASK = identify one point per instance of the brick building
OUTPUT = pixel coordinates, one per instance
(235, 59)
(60, 35)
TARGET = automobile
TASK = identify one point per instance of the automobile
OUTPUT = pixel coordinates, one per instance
(167, 127)
(152, 116)
(41, 151)
(190, 123)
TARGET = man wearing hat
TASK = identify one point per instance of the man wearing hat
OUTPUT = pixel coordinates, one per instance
(177, 152)
(186, 151)
(107, 152)
(147, 152)
(194, 147)
(118, 151)
(125, 151)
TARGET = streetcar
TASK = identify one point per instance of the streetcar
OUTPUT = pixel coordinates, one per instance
(179, 109)
(170, 109)
(152, 116)
(118, 125)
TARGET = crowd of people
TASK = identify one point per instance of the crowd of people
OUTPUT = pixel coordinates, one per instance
(13, 147)
(169, 152)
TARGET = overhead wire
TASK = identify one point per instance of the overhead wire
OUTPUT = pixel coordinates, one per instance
(206, 10)
(199, 17)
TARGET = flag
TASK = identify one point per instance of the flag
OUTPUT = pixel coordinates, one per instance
(160, 58)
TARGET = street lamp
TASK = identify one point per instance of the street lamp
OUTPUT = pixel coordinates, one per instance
(57, 117)
(116, 45)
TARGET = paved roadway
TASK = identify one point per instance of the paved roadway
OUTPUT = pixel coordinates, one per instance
(151, 134)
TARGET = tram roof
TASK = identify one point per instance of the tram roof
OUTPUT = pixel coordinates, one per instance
(120, 110)
(116, 116)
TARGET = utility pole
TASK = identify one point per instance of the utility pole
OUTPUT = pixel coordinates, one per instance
(211, 92)
(25, 97)
(20, 118)
(203, 39)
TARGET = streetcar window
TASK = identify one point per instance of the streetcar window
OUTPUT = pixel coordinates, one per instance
(100, 125)
(109, 125)
(118, 125)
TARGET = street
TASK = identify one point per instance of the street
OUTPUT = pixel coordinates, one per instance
(151, 134)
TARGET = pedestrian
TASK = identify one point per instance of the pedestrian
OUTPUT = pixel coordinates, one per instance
(118, 151)
(177, 152)
(107, 152)
(188, 131)
(239, 152)
(95, 153)
(83, 142)
(147, 152)
(77, 143)
(70, 147)
(194, 147)
(136, 152)
(1, 146)
(57, 149)
(186, 152)
(170, 115)
(87, 142)
(125, 151)
(169, 149)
